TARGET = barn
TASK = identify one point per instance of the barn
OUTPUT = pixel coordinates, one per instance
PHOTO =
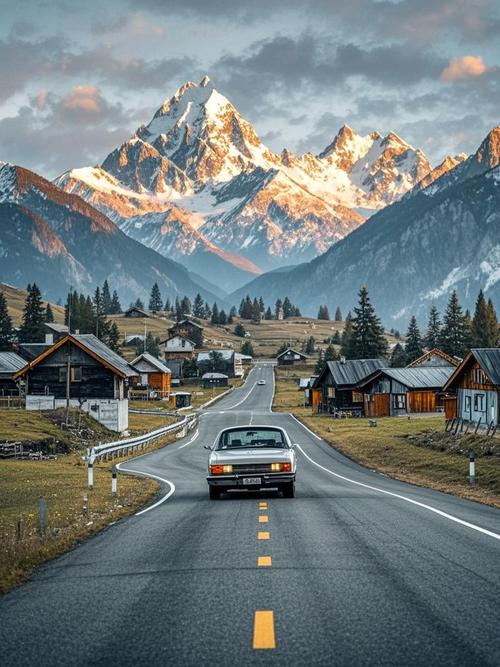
(154, 375)
(477, 385)
(209, 380)
(337, 388)
(290, 357)
(391, 392)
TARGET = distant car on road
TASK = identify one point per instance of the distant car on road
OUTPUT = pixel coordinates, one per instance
(252, 458)
(261, 382)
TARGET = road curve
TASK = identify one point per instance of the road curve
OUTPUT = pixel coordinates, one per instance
(358, 569)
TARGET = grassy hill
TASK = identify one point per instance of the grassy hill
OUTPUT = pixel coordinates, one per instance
(15, 302)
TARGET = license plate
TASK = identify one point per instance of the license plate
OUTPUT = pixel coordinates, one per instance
(251, 480)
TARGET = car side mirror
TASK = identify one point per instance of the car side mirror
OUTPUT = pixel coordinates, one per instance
(207, 447)
(295, 446)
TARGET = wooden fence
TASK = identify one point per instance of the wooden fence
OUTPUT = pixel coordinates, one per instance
(12, 402)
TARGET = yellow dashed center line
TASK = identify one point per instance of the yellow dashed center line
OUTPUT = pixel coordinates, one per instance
(263, 536)
(263, 518)
(263, 630)
(263, 506)
(264, 561)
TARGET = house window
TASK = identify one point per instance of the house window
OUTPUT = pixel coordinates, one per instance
(331, 392)
(75, 374)
(478, 376)
(479, 402)
(399, 401)
(357, 397)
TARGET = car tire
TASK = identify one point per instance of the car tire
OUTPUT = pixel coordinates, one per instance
(214, 493)
(288, 490)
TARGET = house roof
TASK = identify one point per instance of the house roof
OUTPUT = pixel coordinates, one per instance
(304, 383)
(489, 360)
(422, 377)
(227, 355)
(435, 352)
(10, 363)
(290, 349)
(214, 376)
(30, 351)
(94, 347)
(188, 340)
(58, 328)
(153, 361)
(352, 371)
(138, 310)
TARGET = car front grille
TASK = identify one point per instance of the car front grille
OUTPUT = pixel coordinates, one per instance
(251, 468)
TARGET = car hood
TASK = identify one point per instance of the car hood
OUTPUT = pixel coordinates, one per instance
(267, 455)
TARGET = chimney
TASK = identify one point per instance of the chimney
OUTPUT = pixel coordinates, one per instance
(342, 360)
(49, 339)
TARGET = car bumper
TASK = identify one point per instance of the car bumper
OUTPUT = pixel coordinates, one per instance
(236, 481)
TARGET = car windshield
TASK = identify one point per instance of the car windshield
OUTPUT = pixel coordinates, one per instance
(250, 438)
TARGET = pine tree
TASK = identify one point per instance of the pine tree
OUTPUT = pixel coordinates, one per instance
(5, 325)
(114, 337)
(247, 348)
(323, 313)
(197, 337)
(199, 306)
(32, 329)
(151, 345)
(368, 339)
(330, 354)
(484, 324)
(398, 357)
(269, 314)
(256, 312)
(167, 306)
(413, 347)
(432, 336)
(222, 317)
(215, 314)
(261, 304)
(278, 307)
(116, 307)
(49, 315)
(453, 338)
(138, 303)
(106, 299)
(346, 338)
(155, 300)
(186, 305)
(239, 330)
(338, 315)
(287, 308)
(310, 345)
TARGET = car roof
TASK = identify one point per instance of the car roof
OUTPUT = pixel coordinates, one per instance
(253, 427)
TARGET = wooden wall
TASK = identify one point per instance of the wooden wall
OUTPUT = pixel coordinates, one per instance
(422, 401)
(377, 405)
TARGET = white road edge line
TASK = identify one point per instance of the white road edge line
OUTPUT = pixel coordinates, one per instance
(189, 441)
(304, 426)
(148, 474)
(231, 407)
(473, 526)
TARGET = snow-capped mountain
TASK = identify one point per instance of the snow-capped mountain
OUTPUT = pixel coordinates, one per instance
(200, 156)
(58, 239)
(411, 254)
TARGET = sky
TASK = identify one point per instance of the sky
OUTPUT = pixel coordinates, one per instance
(77, 79)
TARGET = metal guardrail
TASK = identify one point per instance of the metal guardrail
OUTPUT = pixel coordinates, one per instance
(120, 447)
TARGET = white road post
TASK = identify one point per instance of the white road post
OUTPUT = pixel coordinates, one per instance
(113, 481)
(472, 467)
(90, 468)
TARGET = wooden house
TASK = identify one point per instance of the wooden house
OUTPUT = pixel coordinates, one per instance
(178, 347)
(54, 332)
(228, 362)
(290, 357)
(390, 392)
(337, 387)
(477, 385)
(154, 375)
(10, 364)
(435, 357)
(83, 372)
(209, 380)
(187, 329)
(135, 313)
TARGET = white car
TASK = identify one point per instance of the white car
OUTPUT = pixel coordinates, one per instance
(261, 382)
(252, 458)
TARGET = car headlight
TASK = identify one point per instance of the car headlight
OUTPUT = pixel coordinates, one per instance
(281, 467)
(220, 469)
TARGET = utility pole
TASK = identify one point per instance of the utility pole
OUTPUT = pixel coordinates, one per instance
(68, 381)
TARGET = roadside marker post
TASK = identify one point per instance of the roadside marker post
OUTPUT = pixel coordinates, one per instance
(113, 481)
(90, 468)
(472, 466)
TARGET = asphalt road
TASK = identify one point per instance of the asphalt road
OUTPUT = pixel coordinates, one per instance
(364, 570)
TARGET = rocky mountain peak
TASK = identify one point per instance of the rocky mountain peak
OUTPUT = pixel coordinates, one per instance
(488, 153)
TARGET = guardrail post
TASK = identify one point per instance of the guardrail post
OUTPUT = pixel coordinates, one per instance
(113, 481)
(472, 466)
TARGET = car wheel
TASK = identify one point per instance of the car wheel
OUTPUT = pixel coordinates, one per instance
(214, 493)
(289, 490)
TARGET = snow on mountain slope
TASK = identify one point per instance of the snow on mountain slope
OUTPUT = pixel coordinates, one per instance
(199, 154)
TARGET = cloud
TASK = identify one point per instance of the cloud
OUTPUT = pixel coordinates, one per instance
(466, 67)
(134, 23)
(57, 132)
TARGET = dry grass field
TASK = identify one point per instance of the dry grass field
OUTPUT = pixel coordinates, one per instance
(15, 302)
(396, 446)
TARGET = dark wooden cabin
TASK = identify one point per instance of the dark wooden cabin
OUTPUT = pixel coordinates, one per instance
(477, 385)
(209, 380)
(135, 313)
(290, 357)
(187, 329)
(339, 385)
(390, 392)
